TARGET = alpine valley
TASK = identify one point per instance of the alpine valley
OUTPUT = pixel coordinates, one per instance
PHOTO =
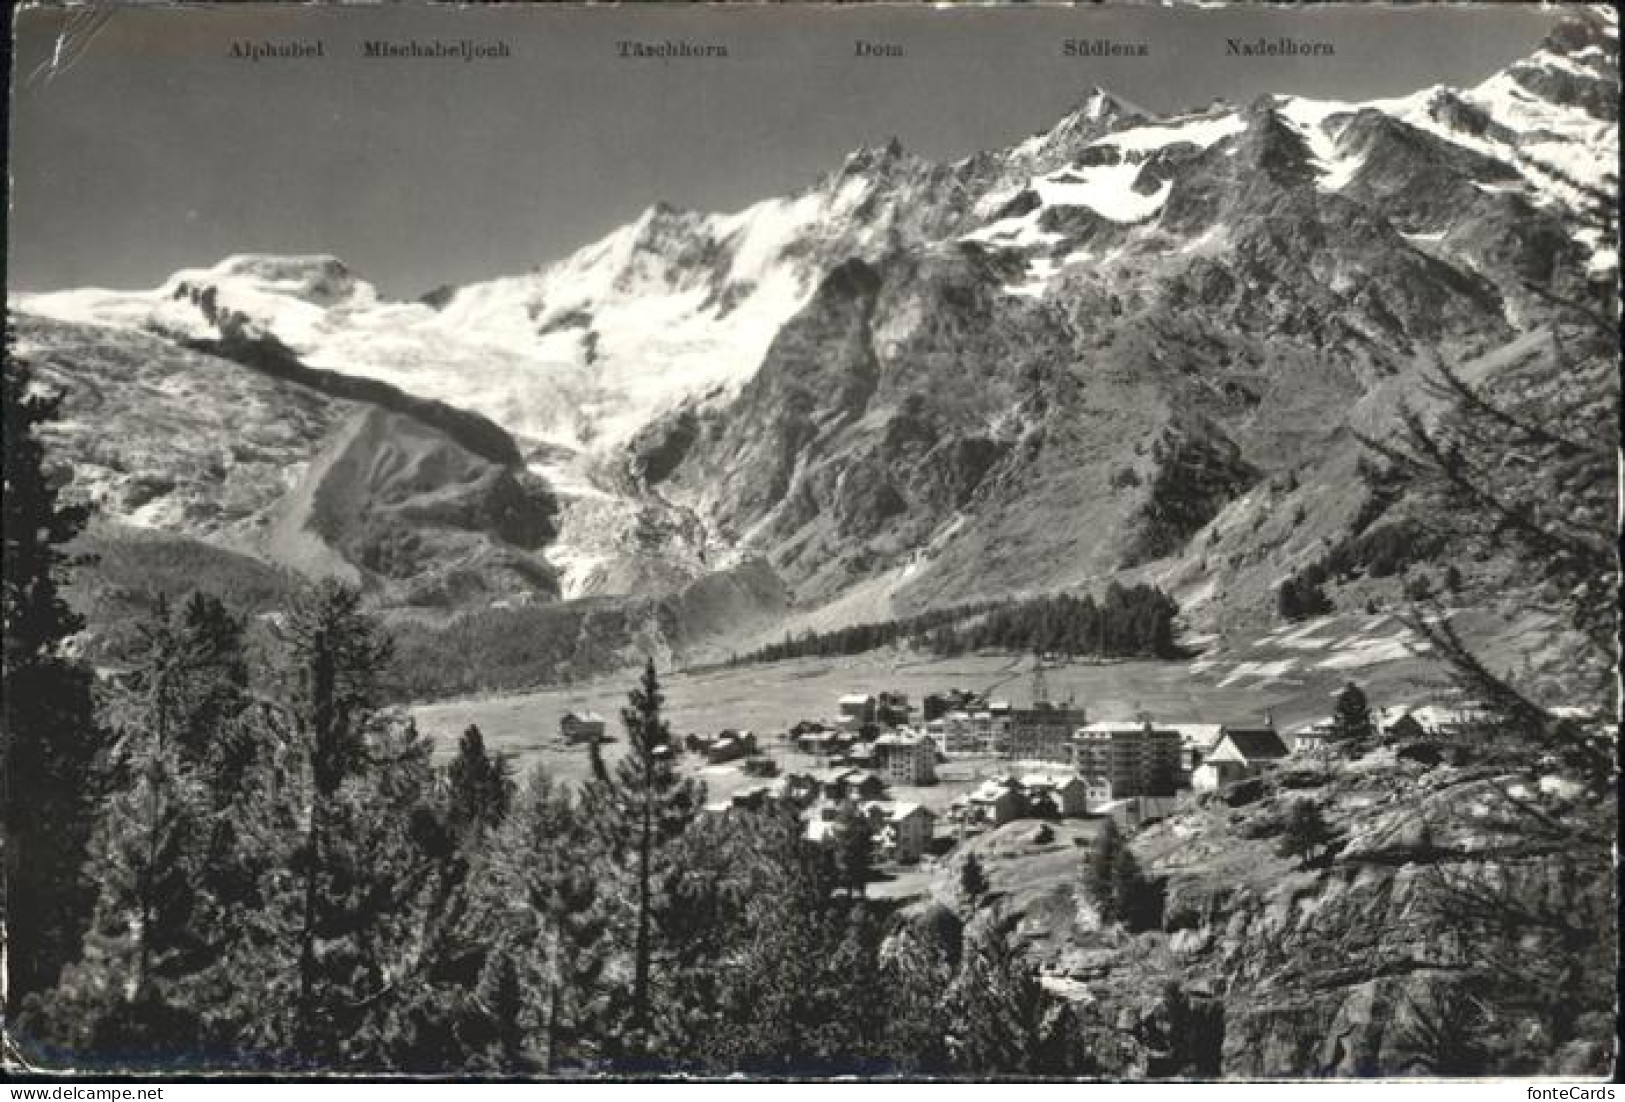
(1132, 347)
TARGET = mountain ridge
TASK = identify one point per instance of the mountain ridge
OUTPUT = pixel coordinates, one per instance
(1075, 358)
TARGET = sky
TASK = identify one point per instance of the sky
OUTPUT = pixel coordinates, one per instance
(147, 148)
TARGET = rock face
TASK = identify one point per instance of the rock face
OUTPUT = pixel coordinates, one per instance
(1376, 956)
(280, 469)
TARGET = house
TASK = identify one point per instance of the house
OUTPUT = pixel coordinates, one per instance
(731, 746)
(1138, 758)
(862, 755)
(1430, 719)
(799, 788)
(1241, 752)
(1314, 740)
(996, 802)
(821, 830)
(846, 783)
(903, 831)
(907, 757)
(824, 744)
(1196, 741)
(892, 709)
(581, 727)
(1097, 792)
(753, 798)
(856, 709)
(1067, 791)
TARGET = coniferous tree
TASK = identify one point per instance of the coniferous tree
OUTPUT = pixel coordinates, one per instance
(1113, 880)
(1519, 466)
(1351, 719)
(918, 965)
(1003, 1017)
(163, 877)
(854, 850)
(1185, 1038)
(347, 782)
(540, 885)
(49, 737)
(1131, 895)
(640, 806)
(972, 880)
(479, 786)
(1099, 871)
(1306, 831)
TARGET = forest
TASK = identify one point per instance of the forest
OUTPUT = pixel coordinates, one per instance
(1128, 621)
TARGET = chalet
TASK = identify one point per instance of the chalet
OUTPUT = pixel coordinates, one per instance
(1067, 791)
(824, 744)
(892, 709)
(938, 705)
(856, 709)
(753, 798)
(581, 727)
(907, 758)
(843, 784)
(903, 831)
(799, 788)
(1196, 741)
(1430, 719)
(995, 802)
(862, 755)
(731, 746)
(1097, 791)
(1241, 752)
(1314, 740)
(821, 830)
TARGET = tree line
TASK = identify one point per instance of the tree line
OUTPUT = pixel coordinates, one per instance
(861, 638)
(1128, 621)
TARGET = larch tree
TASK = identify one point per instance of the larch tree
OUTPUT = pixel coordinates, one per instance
(49, 736)
(640, 805)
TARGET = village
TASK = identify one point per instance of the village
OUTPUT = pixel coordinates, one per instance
(925, 779)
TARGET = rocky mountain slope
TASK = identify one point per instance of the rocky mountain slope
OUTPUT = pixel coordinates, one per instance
(1131, 346)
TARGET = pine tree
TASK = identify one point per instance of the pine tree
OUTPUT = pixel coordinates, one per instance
(1130, 892)
(1113, 881)
(1306, 831)
(917, 968)
(336, 657)
(854, 850)
(541, 885)
(639, 806)
(973, 883)
(479, 786)
(1521, 467)
(1351, 719)
(49, 737)
(1003, 1014)
(156, 930)
(1099, 871)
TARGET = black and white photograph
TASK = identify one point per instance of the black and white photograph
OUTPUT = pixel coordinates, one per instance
(879, 542)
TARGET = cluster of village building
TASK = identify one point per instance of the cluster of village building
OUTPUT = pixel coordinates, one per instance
(1053, 762)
